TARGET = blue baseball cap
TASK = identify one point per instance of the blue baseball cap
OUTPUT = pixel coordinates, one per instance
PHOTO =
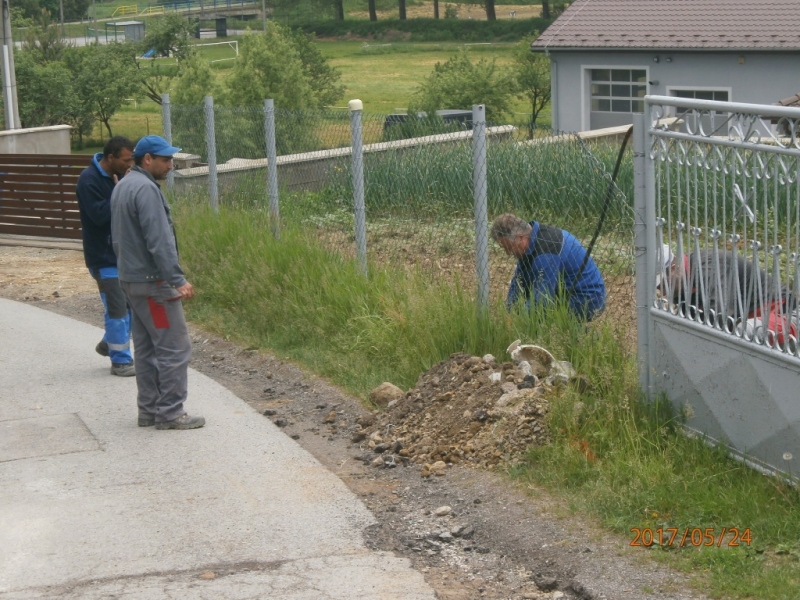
(154, 145)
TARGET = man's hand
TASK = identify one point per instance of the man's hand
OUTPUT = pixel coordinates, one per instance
(186, 291)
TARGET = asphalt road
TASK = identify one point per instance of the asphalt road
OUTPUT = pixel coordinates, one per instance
(92, 506)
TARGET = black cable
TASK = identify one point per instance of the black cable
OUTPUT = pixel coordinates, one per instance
(609, 195)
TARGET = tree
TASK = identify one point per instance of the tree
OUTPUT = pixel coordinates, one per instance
(491, 15)
(104, 77)
(46, 93)
(73, 9)
(531, 73)
(435, 9)
(169, 35)
(323, 78)
(166, 36)
(373, 14)
(402, 4)
(196, 81)
(269, 66)
(545, 9)
(339, 10)
(43, 40)
(459, 83)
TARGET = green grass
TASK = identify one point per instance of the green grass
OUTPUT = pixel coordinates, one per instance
(385, 77)
(613, 457)
(384, 80)
(627, 464)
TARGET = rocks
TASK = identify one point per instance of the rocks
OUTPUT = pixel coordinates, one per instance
(385, 393)
(443, 511)
(438, 468)
(330, 417)
(366, 420)
(469, 410)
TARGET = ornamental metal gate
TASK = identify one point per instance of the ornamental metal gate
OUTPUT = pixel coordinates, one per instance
(718, 271)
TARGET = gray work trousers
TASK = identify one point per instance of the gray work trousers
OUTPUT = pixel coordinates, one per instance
(163, 348)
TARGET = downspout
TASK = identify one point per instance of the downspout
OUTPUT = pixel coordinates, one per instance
(553, 91)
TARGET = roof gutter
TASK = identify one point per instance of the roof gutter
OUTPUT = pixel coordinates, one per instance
(548, 49)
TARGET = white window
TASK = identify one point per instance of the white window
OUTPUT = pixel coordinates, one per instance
(618, 90)
(718, 95)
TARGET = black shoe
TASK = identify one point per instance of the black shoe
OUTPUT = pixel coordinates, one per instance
(182, 422)
(146, 420)
(102, 348)
(123, 369)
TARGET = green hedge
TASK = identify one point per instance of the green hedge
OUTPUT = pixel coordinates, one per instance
(430, 30)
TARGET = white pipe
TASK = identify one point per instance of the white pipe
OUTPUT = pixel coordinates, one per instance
(9, 95)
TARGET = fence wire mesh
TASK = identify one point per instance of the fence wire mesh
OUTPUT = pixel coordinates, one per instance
(418, 188)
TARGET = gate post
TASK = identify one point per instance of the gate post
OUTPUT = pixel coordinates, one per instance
(644, 244)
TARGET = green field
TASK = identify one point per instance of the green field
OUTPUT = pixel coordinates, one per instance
(383, 76)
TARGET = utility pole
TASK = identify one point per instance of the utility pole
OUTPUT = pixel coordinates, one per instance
(94, 12)
(61, 16)
(11, 109)
(264, 14)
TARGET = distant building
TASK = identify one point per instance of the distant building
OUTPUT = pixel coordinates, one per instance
(606, 55)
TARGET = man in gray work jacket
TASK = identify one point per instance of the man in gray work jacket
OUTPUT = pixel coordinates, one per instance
(147, 259)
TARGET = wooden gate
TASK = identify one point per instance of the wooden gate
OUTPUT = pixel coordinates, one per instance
(37, 194)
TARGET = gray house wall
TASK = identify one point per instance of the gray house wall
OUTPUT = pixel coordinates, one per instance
(754, 77)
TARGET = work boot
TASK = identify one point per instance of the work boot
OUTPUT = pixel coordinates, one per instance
(182, 422)
(146, 420)
(123, 369)
(102, 348)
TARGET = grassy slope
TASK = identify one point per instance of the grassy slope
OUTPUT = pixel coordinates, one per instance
(612, 456)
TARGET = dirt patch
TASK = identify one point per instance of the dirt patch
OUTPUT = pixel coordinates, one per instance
(40, 273)
(468, 410)
(494, 540)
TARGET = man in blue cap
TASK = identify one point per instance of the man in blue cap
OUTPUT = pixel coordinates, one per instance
(144, 241)
(95, 185)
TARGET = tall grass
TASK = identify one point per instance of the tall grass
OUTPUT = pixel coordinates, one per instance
(612, 455)
(312, 305)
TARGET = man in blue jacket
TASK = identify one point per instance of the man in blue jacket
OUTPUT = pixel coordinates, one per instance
(552, 264)
(95, 185)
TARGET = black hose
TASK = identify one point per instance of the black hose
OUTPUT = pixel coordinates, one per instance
(609, 195)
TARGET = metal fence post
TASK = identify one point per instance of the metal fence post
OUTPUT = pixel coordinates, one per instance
(479, 192)
(211, 147)
(166, 119)
(272, 167)
(359, 209)
(644, 244)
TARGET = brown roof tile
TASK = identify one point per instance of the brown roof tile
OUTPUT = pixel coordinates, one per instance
(676, 24)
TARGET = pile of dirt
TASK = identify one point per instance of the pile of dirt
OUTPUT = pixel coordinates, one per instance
(467, 409)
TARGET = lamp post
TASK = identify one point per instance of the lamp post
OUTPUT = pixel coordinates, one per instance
(11, 110)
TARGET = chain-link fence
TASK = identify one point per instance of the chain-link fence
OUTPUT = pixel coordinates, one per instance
(422, 182)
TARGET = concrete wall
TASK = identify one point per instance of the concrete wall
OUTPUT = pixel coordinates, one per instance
(751, 77)
(309, 171)
(36, 140)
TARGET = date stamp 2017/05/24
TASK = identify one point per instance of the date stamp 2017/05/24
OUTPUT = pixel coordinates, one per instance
(691, 536)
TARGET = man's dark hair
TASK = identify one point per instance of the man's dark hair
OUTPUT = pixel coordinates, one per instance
(137, 160)
(115, 145)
